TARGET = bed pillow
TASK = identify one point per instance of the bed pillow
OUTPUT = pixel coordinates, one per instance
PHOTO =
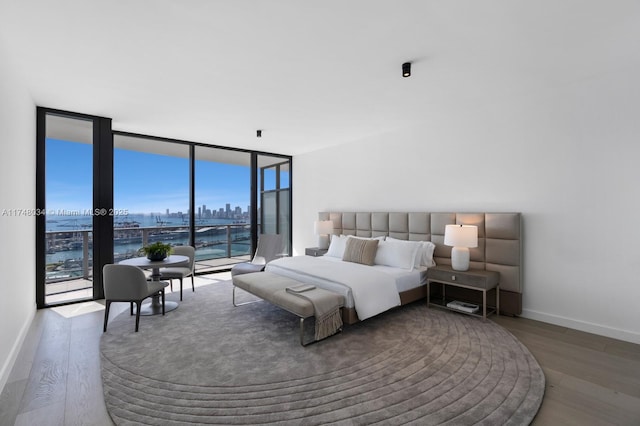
(337, 246)
(424, 256)
(360, 250)
(427, 254)
(397, 253)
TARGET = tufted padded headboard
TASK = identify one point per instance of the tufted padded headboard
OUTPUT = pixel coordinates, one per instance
(499, 240)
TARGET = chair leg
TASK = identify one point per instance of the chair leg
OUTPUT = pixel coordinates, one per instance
(138, 306)
(106, 314)
(162, 291)
(131, 303)
(181, 289)
(193, 286)
(171, 284)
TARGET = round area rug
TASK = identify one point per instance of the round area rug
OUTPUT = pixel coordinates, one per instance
(208, 362)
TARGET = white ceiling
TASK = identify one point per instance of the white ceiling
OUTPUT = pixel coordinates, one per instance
(309, 74)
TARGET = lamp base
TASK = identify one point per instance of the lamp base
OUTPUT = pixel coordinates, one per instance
(460, 258)
(323, 241)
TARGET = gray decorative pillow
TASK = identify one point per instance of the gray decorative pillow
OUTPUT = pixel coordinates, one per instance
(360, 251)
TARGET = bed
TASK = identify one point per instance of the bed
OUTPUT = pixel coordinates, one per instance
(402, 279)
(367, 290)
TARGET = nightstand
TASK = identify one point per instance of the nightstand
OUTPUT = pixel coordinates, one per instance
(315, 251)
(474, 279)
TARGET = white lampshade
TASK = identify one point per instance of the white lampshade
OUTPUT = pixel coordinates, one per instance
(323, 228)
(461, 237)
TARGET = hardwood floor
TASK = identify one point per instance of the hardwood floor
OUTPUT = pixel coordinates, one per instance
(591, 380)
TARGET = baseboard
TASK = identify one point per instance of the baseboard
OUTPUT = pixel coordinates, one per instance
(614, 333)
(15, 350)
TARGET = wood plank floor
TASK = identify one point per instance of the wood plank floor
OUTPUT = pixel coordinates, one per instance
(591, 380)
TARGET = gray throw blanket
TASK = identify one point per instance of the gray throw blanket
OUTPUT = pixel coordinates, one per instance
(326, 306)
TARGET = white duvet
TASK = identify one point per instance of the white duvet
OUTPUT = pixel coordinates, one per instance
(373, 292)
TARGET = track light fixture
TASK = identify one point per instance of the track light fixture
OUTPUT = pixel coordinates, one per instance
(406, 69)
(259, 133)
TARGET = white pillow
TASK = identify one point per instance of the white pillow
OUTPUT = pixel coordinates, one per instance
(427, 254)
(337, 246)
(397, 253)
(417, 244)
(424, 256)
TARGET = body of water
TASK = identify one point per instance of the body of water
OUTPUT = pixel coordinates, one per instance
(65, 239)
(80, 221)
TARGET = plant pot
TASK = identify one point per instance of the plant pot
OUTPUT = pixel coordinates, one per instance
(154, 257)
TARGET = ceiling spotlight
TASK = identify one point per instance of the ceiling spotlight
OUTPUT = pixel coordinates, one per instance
(259, 133)
(406, 69)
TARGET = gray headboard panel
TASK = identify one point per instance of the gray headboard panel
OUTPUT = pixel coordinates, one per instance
(499, 236)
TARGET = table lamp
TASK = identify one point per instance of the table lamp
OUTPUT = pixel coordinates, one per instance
(461, 237)
(323, 228)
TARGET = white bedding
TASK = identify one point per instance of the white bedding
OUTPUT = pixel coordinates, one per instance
(369, 289)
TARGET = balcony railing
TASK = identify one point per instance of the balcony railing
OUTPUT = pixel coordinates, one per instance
(69, 252)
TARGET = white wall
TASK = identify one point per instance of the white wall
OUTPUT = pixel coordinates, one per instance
(567, 158)
(17, 233)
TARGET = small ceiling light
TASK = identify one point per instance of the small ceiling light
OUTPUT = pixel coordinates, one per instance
(259, 133)
(406, 69)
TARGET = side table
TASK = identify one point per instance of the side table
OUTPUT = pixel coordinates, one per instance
(155, 307)
(474, 279)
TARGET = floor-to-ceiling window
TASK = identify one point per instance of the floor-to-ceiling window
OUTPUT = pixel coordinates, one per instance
(222, 207)
(180, 192)
(71, 209)
(108, 193)
(150, 193)
(69, 201)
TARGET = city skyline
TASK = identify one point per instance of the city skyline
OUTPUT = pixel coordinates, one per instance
(202, 212)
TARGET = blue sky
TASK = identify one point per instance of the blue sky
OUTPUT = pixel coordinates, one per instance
(138, 190)
(69, 182)
(143, 182)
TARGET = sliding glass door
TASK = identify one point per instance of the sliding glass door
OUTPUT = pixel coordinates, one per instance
(274, 183)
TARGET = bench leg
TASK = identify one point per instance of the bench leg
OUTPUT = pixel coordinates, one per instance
(233, 299)
(314, 340)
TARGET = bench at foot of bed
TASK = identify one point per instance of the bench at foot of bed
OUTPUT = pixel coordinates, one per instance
(273, 288)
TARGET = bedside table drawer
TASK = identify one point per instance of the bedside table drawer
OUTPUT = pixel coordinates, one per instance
(473, 278)
(455, 276)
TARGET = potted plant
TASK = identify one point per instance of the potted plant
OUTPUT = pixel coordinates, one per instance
(157, 250)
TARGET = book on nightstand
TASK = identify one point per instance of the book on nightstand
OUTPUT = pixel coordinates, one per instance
(463, 306)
